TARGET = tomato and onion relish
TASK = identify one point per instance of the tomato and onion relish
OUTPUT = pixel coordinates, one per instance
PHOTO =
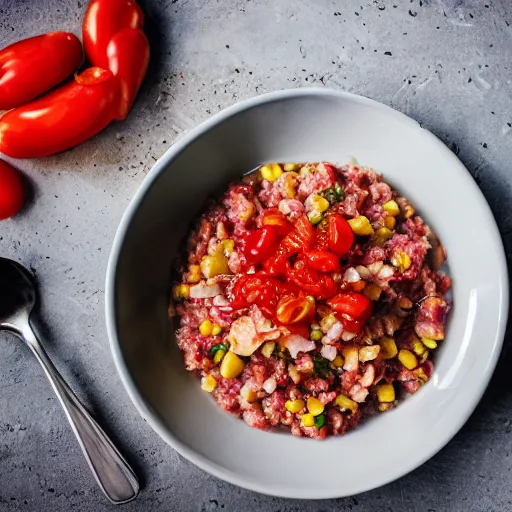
(309, 296)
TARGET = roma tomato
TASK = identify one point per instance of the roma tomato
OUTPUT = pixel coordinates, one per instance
(292, 309)
(320, 286)
(341, 236)
(11, 191)
(63, 118)
(353, 305)
(323, 261)
(103, 20)
(31, 67)
(261, 244)
(128, 58)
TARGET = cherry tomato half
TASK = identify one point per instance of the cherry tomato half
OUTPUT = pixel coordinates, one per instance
(354, 305)
(301, 238)
(32, 66)
(256, 289)
(341, 236)
(291, 309)
(11, 191)
(277, 265)
(321, 286)
(261, 244)
(323, 261)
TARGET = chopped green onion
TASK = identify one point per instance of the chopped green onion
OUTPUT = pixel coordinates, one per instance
(319, 421)
(218, 347)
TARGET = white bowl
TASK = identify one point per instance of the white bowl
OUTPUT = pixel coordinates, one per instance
(305, 125)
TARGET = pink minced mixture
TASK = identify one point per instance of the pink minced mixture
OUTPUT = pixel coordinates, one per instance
(328, 380)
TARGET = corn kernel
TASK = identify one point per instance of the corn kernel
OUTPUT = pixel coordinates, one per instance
(338, 361)
(228, 247)
(418, 347)
(368, 353)
(290, 166)
(268, 348)
(431, 344)
(308, 420)
(390, 222)
(388, 348)
(180, 291)
(327, 322)
(386, 393)
(345, 403)
(383, 234)
(401, 260)
(385, 407)
(319, 203)
(216, 329)
(219, 355)
(409, 211)
(315, 407)
(316, 335)
(361, 226)
(194, 274)
(391, 207)
(248, 394)
(208, 383)
(271, 172)
(372, 291)
(408, 359)
(232, 366)
(215, 264)
(422, 376)
(294, 405)
(206, 327)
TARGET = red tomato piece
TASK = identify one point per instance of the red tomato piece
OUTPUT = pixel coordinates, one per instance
(300, 239)
(302, 329)
(323, 261)
(256, 289)
(277, 265)
(354, 305)
(11, 191)
(341, 236)
(291, 309)
(321, 286)
(31, 67)
(63, 118)
(261, 244)
(273, 217)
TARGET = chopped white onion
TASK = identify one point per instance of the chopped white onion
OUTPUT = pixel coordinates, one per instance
(329, 352)
(270, 385)
(284, 208)
(220, 300)
(351, 275)
(347, 336)
(374, 268)
(335, 331)
(363, 272)
(385, 272)
(296, 343)
(204, 291)
(369, 375)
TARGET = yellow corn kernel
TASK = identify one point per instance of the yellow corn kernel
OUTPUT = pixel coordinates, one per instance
(248, 394)
(206, 327)
(408, 359)
(290, 166)
(383, 234)
(386, 393)
(315, 407)
(409, 211)
(418, 347)
(361, 226)
(345, 403)
(316, 335)
(390, 222)
(215, 264)
(271, 172)
(319, 203)
(372, 291)
(338, 361)
(208, 383)
(232, 366)
(385, 407)
(431, 344)
(391, 207)
(294, 405)
(219, 355)
(268, 348)
(194, 274)
(180, 291)
(401, 260)
(368, 353)
(216, 329)
(327, 322)
(308, 420)
(228, 247)
(388, 348)
(420, 373)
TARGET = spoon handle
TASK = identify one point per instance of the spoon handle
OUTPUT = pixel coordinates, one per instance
(113, 474)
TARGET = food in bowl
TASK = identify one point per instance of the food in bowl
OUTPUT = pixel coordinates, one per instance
(310, 297)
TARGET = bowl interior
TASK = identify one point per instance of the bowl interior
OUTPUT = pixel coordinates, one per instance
(305, 126)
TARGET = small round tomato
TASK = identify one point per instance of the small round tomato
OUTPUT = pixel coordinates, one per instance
(261, 244)
(291, 310)
(341, 236)
(11, 191)
(354, 306)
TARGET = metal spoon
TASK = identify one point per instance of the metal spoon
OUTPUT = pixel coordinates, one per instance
(112, 472)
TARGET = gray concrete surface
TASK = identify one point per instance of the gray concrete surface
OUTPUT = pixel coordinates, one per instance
(446, 63)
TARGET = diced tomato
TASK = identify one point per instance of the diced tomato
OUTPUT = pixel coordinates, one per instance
(341, 236)
(323, 261)
(261, 244)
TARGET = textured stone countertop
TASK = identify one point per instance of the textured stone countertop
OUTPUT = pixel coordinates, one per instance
(446, 63)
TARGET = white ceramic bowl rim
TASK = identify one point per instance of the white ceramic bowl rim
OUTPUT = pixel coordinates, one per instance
(153, 418)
